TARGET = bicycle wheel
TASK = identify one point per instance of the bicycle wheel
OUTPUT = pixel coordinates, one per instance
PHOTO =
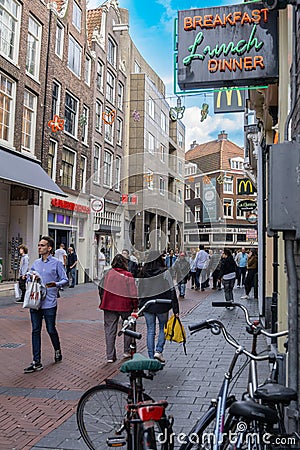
(101, 414)
(201, 437)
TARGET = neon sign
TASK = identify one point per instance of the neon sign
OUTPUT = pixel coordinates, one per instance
(224, 46)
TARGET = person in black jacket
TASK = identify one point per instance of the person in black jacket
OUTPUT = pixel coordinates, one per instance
(228, 274)
(155, 282)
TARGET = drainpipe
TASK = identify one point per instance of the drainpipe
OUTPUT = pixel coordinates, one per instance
(274, 305)
(293, 363)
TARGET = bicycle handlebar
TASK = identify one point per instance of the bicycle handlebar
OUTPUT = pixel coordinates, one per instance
(257, 328)
(133, 334)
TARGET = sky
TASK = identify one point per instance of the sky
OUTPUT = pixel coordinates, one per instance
(151, 26)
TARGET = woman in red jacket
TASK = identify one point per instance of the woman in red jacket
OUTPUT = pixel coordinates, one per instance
(119, 300)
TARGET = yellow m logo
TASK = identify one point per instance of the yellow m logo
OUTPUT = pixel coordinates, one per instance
(245, 187)
(228, 93)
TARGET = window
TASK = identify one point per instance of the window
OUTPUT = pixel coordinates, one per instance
(180, 167)
(59, 40)
(119, 131)
(7, 106)
(85, 124)
(187, 192)
(149, 179)
(55, 99)
(150, 143)
(197, 213)
(67, 167)
(197, 190)
(237, 163)
(33, 47)
(228, 207)
(87, 72)
(163, 121)
(137, 67)
(180, 139)
(52, 153)
(118, 173)
(162, 153)
(228, 185)
(100, 69)
(107, 168)
(96, 163)
(74, 56)
(29, 121)
(187, 215)
(110, 87)
(108, 130)
(71, 115)
(179, 196)
(120, 95)
(10, 12)
(76, 17)
(82, 173)
(151, 107)
(98, 112)
(162, 186)
(111, 52)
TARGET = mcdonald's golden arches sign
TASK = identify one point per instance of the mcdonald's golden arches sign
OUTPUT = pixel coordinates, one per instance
(229, 100)
(245, 186)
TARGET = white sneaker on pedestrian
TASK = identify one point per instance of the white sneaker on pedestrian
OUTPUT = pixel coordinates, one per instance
(126, 355)
(245, 296)
(159, 357)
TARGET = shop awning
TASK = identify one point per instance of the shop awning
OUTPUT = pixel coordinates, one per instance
(19, 169)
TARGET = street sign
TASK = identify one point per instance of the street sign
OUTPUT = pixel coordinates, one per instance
(247, 205)
(98, 204)
(252, 218)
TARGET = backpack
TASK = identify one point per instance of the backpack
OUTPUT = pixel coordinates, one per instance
(174, 331)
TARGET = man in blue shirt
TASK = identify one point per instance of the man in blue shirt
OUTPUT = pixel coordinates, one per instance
(241, 261)
(201, 262)
(53, 276)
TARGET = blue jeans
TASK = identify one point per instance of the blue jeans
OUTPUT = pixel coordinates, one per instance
(72, 272)
(49, 315)
(228, 289)
(151, 332)
(181, 288)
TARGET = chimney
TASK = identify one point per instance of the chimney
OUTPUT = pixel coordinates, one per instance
(193, 145)
(222, 136)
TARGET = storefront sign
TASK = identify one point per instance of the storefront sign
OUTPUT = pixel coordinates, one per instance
(251, 235)
(223, 46)
(245, 186)
(247, 205)
(210, 201)
(70, 206)
(129, 199)
(252, 218)
(229, 100)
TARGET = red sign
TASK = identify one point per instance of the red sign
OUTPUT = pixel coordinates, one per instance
(129, 199)
(70, 206)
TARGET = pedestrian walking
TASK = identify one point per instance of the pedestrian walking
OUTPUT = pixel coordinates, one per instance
(216, 260)
(24, 266)
(132, 265)
(155, 282)
(119, 300)
(71, 266)
(170, 259)
(193, 269)
(101, 262)
(53, 276)
(201, 263)
(182, 273)
(228, 274)
(252, 268)
(61, 255)
(241, 260)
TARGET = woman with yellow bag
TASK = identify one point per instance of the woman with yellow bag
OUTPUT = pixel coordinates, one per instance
(155, 282)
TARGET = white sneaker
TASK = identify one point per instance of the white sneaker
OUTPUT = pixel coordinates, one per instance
(126, 355)
(159, 357)
(245, 296)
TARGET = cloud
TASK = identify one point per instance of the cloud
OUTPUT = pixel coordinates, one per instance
(209, 129)
(167, 18)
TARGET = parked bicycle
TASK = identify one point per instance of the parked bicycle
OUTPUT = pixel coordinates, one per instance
(116, 414)
(229, 423)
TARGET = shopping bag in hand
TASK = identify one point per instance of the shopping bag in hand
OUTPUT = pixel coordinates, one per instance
(34, 294)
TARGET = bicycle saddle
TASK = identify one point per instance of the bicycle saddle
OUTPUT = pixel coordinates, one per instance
(275, 393)
(139, 363)
(253, 411)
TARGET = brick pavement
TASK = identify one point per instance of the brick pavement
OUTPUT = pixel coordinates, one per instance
(38, 410)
